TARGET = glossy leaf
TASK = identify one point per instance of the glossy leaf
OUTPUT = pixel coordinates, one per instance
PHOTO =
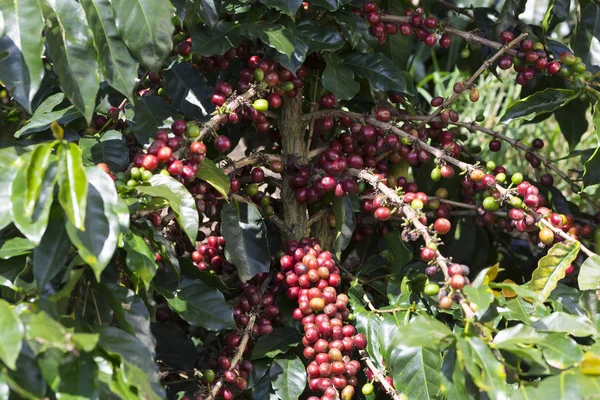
(201, 305)
(344, 223)
(146, 27)
(551, 268)
(11, 335)
(140, 259)
(339, 79)
(15, 247)
(573, 121)
(426, 332)
(72, 184)
(492, 371)
(47, 112)
(150, 114)
(118, 67)
(587, 39)
(539, 103)
(591, 169)
(509, 16)
(518, 335)
(560, 351)
(416, 371)
(209, 172)
(41, 156)
(72, 50)
(180, 200)
(110, 148)
(481, 297)
(209, 11)
(278, 342)
(324, 38)
(209, 42)
(288, 377)
(245, 231)
(379, 70)
(356, 31)
(578, 326)
(34, 226)
(288, 7)
(189, 90)
(10, 163)
(22, 47)
(589, 274)
(275, 36)
(52, 253)
(97, 243)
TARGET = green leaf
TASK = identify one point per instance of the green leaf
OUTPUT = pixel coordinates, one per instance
(150, 114)
(398, 252)
(189, 269)
(118, 66)
(561, 351)
(137, 364)
(329, 5)
(368, 323)
(189, 90)
(110, 148)
(339, 79)
(320, 38)
(201, 305)
(141, 260)
(482, 297)
(75, 382)
(72, 184)
(518, 335)
(15, 247)
(416, 371)
(245, 232)
(34, 173)
(288, 7)
(578, 326)
(98, 242)
(589, 273)
(397, 47)
(551, 268)
(146, 27)
(72, 51)
(573, 121)
(492, 371)
(541, 102)
(509, 16)
(275, 36)
(356, 31)
(174, 347)
(585, 42)
(344, 223)
(591, 169)
(278, 342)
(10, 163)
(297, 58)
(379, 70)
(209, 42)
(209, 11)
(557, 12)
(50, 256)
(209, 172)
(22, 46)
(11, 335)
(288, 377)
(46, 113)
(424, 331)
(180, 200)
(33, 226)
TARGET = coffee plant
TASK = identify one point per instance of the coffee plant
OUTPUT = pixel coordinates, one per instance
(323, 200)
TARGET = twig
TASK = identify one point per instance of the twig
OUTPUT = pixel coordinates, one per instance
(317, 216)
(457, 9)
(486, 64)
(253, 159)
(379, 376)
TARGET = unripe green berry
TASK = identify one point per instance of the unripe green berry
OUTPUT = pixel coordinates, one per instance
(135, 174)
(131, 183)
(490, 204)
(436, 174)
(146, 175)
(501, 177)
(516, 178)
(416, 204)
(465, 53)
(490, 165)
(516, 202)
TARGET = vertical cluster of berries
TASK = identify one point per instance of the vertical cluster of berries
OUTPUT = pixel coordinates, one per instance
(312, 277)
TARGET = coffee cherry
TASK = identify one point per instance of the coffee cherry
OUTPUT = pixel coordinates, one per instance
(547, 180)
(445, 303)
(368, 389)
(431, 289)
(178, 127)
(506, 37)
(258, 175)
(261, 105)
(218, 99)
(546, 236)
(457, 282)
(495, 145)
(222, 143)
(537, 143)
(442, 226)
(427, 254)
(383, 213)
(446, 41)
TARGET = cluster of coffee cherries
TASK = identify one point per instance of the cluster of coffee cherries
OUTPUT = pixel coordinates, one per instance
(312, 277)
(251, 302)
(210, 254)
(379, 29)
(251, 180)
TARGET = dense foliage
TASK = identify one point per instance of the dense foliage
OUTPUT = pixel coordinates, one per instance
(331, 199)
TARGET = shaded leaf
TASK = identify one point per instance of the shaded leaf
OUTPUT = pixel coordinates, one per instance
(541, 102)
(379, 70)
(209, 42)
(75, 382)
(189, 90)
(140, 259)
(118, 67)
(573, 122)
(22, 47)
(209, 11)
(274, 35)
(589, 274)
(11, 335)
(180, 200)
(356, 31)
(591, 169)
(323, 38)
(72, 183)
(150, 114)
(245, 232)
(339, 80)
(288, 377)
(557, 12)
(72, 50)
(174, 347)
(278, 342)
(110, 148)
(209, 172)
(509, 16)
(201, 305)
(47, 112)
(398, 252)
(288, 7)
(551, 268)
(146, 26)
(330, 5)
(344, 222)
(587, 40)
(97, 243)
